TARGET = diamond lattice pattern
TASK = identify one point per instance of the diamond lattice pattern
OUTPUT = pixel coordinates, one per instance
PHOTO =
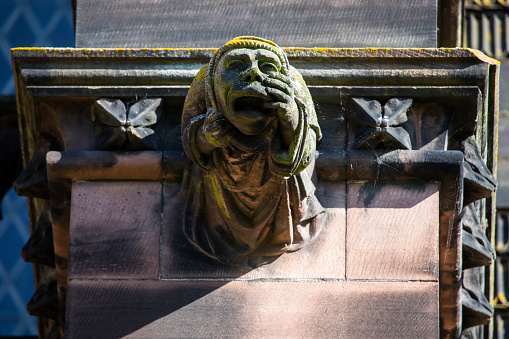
(16, 279)
(32, 23)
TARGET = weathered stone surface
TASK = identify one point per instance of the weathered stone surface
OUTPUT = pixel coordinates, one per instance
(392, 231)
(115, 230)
(252, 309)
(323, 258)
(194, 23)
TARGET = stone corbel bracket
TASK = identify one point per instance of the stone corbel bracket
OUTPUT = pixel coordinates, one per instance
(448, 136)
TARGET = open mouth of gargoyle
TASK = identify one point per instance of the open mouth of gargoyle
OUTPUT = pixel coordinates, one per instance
(249, 104)
(249, 112)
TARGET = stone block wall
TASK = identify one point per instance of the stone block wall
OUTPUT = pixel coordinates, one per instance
(405, 218)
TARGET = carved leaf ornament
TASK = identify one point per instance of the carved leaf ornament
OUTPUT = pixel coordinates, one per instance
(381, 126)
(127, 127)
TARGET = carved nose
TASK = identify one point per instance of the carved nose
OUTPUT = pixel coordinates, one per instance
(253, 75)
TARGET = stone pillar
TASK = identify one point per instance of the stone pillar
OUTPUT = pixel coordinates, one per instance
(407, 200)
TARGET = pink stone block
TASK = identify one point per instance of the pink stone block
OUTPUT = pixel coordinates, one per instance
(252, 309)
(115, 230)
(392, 231)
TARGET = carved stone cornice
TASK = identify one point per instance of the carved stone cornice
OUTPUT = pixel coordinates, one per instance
(449, 135)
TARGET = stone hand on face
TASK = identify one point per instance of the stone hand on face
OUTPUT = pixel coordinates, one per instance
(250, 90)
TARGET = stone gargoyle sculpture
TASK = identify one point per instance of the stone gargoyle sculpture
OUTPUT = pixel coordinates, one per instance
(250, 128)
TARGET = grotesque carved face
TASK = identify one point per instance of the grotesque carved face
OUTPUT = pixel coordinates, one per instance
(240, 91)
(248, 125)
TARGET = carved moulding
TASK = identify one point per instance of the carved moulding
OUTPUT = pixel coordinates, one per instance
(465, 93)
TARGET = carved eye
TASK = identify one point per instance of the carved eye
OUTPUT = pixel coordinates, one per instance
(268, 67)
(236, 64)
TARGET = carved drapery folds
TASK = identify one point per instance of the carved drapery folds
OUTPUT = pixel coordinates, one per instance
(432, 124)
(250, 128)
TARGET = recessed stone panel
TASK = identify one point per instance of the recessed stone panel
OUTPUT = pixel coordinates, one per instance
(115, 230)
(392, 231)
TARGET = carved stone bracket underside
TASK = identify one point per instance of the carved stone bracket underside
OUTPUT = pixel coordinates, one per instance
(386, 115)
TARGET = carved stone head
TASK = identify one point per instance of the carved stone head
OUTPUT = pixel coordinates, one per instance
(235, 81)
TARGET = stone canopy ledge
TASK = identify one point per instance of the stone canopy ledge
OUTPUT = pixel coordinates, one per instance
(446, 148)
(169, 165)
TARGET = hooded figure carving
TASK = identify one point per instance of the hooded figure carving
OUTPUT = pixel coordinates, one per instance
(250, 128)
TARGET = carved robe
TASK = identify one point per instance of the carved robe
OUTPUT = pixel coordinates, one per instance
(244, 204)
